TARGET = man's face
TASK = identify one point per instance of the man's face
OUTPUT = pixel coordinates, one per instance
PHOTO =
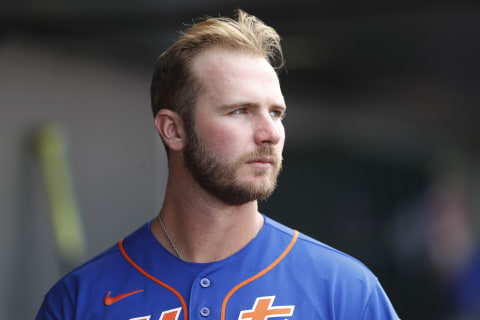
(234, 149)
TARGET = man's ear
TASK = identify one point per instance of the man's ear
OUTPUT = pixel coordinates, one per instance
(171, 128)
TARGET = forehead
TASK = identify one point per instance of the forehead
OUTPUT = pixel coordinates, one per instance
(235, 75)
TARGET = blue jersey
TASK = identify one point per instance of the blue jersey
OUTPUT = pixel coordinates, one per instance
(281, 274)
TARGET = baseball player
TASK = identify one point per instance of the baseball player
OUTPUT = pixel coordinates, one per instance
(210, 254)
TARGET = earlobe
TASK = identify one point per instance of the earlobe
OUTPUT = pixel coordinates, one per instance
(170, 126)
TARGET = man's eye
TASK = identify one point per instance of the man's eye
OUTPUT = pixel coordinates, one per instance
(277, 114)
(239, 111)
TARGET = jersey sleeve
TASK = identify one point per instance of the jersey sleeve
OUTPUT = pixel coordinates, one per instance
(46, 313)
(379, 306)
(57, 305)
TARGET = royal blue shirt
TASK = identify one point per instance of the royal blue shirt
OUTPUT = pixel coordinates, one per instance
(281, 274)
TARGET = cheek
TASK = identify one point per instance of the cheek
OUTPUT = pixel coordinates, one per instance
(223, 141)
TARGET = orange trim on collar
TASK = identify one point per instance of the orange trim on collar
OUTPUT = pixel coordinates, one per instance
(149, 276)
(258, 275)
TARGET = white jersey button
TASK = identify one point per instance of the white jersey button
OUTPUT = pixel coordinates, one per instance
(205, 312)
(205, 282)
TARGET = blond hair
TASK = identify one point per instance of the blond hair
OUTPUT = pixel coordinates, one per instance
(173, 84)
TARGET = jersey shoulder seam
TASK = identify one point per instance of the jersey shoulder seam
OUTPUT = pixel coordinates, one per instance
(303, 238)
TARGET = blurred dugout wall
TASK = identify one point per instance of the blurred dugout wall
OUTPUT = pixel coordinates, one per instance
(102, 107)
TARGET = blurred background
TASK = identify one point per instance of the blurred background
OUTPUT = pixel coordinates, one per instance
(381, 158)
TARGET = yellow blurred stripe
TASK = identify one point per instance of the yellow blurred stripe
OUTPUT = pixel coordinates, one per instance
(67, 226)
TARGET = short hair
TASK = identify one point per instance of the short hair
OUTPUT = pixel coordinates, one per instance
(174, 86)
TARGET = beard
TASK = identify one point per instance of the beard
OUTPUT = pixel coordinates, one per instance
(220, 179)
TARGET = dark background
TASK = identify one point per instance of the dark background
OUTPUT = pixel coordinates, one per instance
(381, 157)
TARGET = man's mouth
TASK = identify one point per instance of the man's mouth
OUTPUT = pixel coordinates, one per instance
(262, 161)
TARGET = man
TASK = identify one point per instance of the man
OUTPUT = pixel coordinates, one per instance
(210, 254)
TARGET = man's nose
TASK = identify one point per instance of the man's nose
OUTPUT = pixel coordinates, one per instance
(267, 130)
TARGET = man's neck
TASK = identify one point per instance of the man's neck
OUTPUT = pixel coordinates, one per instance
(202, 228)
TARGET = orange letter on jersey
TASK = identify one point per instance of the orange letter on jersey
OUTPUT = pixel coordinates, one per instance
(262, 310)
(170, 314)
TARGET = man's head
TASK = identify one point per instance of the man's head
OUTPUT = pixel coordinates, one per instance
(175, 87)
(226, 119)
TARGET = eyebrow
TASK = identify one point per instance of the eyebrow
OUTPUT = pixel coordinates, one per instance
(226, 107)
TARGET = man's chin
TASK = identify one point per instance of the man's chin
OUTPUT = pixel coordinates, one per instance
(258, 190)
(241, 191)
(255, 180)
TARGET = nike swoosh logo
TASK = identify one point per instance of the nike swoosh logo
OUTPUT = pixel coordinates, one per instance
(111, 300)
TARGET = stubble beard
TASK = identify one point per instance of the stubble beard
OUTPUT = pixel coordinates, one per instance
(221, 179)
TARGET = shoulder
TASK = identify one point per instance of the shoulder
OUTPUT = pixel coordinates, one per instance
(323, 260)
(105, 265)
(61, 300)
(91, 269)
(90, 278)
(352, 289)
